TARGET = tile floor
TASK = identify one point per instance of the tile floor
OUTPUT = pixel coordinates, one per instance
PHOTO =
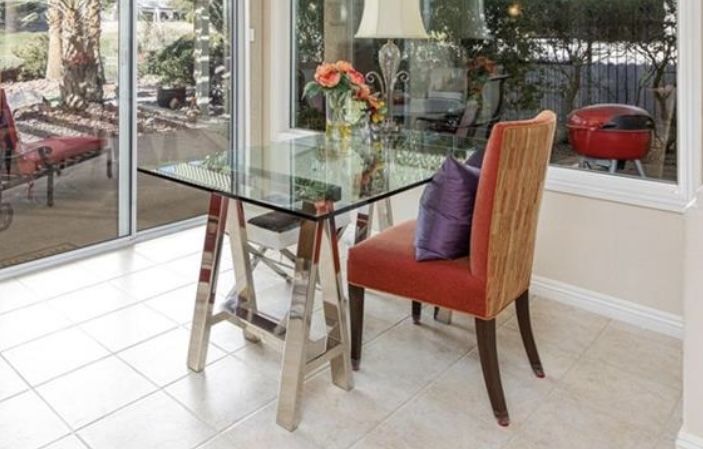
(92, 355)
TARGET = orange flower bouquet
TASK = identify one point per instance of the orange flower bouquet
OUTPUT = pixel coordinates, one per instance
(348, 97)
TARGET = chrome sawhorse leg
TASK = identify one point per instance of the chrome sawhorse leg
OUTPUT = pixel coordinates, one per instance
(244, 293)
(224, 214)
(207, 282)
(317, 246)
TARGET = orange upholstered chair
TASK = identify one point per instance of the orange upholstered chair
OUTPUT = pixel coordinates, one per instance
(495, 274)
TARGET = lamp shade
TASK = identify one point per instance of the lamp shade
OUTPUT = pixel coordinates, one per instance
(392, 19)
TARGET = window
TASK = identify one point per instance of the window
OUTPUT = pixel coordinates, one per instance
(489, 60)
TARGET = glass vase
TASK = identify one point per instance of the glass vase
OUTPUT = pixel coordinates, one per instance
(339, 126)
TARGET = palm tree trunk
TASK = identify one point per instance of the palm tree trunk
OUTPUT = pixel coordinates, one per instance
(93, 31)
(82, 77)
(74, 57)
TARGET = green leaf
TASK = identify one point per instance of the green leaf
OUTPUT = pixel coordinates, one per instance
(311, 89)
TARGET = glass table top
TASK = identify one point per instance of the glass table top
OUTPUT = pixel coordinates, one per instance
(295, 175)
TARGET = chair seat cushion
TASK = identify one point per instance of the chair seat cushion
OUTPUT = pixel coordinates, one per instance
(446, 209)
(276, 221)
(387, 263)
(64, 147)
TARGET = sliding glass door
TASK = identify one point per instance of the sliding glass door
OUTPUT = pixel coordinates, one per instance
(59, 127)
(184, 101)
(89, 89)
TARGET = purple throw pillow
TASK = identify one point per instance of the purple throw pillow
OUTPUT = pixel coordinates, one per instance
(443, 228)
(476, 159)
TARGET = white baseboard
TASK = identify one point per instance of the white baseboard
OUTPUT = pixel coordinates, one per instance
(688, 441)
(610, 306)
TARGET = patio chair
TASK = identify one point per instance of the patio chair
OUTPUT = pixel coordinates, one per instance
(497, 271)
(477, 116)
(24, 163)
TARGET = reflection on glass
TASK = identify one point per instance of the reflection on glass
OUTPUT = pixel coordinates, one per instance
(531, 55)
(58, 127)
(184, 107)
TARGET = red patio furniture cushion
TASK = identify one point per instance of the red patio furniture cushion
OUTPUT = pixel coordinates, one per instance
(63, 148)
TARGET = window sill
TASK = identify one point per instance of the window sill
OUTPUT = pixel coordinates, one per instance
(293, 133)
(620, 189)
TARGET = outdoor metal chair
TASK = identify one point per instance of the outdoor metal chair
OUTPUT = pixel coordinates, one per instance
(24, 163)
(478, 117)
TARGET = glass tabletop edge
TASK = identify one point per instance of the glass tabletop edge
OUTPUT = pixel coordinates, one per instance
(297, 213)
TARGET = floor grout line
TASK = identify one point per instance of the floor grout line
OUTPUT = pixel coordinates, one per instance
(119, 354)
(43, 400)
(416, 395)
(319, 372)
(107, 280)
(74, 323)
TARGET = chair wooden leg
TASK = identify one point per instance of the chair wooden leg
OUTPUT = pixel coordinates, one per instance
(109, 164)
(522, 305)
(417, 312)
(50, 187)
(487, 350)
(356, 313)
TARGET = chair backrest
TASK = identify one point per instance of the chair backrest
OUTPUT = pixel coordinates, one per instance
(485, 114)
(8, 130)
(507, 206)
(8, 133)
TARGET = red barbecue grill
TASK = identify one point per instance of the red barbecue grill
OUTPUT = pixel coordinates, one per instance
(612, 134)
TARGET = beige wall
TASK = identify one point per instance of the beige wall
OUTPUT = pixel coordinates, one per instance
(627, 252)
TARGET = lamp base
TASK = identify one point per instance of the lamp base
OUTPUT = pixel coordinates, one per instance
(389, 58)
(389, 61)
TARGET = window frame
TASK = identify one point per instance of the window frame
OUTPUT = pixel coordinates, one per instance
(661, 195)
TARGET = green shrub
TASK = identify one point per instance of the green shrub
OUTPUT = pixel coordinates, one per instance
(174, 63)
(34, 54)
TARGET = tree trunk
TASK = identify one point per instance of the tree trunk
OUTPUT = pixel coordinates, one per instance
(82, 75)
(54, 67)
(665, 105)
(571, 92)
(93, 32)
(74, 57)
(202, 55)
